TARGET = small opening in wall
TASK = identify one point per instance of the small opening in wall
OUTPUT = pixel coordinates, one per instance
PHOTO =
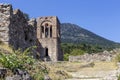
(42, 29)
(46, 52)
(26, 36)
(2, 11)
(31, 40)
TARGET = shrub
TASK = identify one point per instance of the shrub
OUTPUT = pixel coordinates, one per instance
(74, 52)
(117, 58)
(38, 76)
(66, 57)
(119, 77)
(24, 61)
(16, 59)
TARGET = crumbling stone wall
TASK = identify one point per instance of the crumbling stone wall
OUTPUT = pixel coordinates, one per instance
(18, 32)
(15, 30)
(32, 37)
(102, 56)
(5, 18)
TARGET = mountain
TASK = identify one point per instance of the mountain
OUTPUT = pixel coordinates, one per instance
(71, 33)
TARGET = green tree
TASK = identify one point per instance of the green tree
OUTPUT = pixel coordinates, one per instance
(77, 52)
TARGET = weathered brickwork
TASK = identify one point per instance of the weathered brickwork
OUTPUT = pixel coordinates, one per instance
(43, 32)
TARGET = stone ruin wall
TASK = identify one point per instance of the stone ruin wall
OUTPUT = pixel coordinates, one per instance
(18, 32)
(94, 57)
(15, 29)
(5, 17)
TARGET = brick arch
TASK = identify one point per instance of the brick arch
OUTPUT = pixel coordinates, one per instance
(46, 21)
(47, 27)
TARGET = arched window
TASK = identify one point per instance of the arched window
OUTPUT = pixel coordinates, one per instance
(46, 32)
(42, 29)
(50, 31)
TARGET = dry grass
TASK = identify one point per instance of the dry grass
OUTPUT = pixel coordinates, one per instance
(56, 72)
(73, 67)
(101, 66)
(63, 70)
(76, 66)
(6, 48)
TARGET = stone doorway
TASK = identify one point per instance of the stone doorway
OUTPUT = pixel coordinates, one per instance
(46, 52)
(47, 57)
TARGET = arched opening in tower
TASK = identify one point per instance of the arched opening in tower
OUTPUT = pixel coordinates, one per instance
(42, 29)
(50, 31)
(46, 32)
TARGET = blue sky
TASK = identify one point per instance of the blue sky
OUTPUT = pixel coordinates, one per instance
(99, 16)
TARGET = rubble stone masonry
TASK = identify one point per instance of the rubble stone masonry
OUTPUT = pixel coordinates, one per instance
(43, 32)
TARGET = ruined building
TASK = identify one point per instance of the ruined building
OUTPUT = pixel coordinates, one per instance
(43, 32)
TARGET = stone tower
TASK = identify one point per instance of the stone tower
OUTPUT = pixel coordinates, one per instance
(48, 35)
